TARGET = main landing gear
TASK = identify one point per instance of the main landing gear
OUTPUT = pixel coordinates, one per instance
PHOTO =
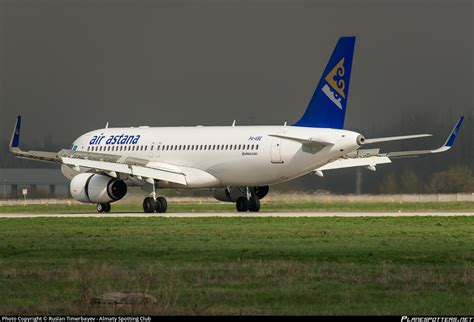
(103, 207)
(248, 203)
(153, 203)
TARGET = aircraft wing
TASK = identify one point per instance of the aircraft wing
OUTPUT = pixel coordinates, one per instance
(111, 165)
(370, 158)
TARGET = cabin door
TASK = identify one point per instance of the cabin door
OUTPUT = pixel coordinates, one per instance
(275, 151)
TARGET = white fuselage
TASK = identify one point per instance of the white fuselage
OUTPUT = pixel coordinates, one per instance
(233, 155)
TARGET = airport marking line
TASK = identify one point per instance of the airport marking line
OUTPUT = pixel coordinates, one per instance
(243, 215)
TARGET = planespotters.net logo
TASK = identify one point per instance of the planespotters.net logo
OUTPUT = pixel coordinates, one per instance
(76, 319)
(437, 319)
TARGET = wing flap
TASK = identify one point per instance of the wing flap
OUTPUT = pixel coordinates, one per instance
(36, 155)
(135, 170)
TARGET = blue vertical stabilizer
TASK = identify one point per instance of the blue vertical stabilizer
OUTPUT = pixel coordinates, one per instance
(327, 107)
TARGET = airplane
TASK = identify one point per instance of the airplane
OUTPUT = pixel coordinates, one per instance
(236, 163)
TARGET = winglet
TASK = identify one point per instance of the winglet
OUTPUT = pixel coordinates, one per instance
(15, 141)
(450, 141)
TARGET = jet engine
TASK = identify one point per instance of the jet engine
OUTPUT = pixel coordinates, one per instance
(97, 188)
(232, 194)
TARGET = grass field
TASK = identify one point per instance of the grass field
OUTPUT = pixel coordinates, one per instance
(411, 265)
(266, 206)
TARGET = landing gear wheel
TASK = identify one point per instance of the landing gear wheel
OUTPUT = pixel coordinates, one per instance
(103, 207)
(161, 204)
(254, 204)
(242, 204)
(149, 205)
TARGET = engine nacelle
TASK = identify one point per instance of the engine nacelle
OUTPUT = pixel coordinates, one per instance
(261, 192)
(232, 194)
(97, 188)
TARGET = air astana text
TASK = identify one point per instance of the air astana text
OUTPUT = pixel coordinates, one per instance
(115, 139)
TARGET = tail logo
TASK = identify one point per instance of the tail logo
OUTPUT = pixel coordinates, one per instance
(335, 85)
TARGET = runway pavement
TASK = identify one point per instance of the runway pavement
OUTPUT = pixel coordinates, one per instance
(249, 215)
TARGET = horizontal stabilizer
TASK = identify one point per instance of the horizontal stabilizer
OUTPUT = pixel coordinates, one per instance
(396, 138)
(302, 140)
(369, 158)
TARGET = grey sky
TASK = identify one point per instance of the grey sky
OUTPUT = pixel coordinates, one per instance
(70, 66)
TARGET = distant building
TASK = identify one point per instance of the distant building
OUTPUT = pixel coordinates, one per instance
(38, 182)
